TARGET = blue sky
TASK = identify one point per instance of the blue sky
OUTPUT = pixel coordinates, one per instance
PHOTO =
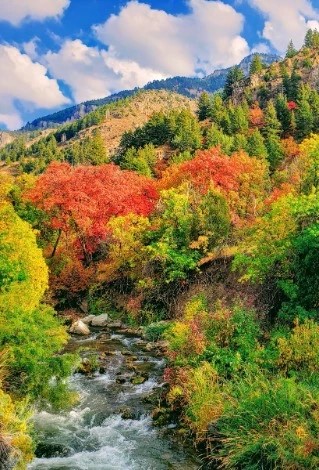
(54, 53)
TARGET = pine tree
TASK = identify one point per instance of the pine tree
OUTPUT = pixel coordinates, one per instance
(283, 113)
(272, 124)
(272, 130)
(291, 50)
(204, 106)
(295, 80)
(304, 116)
(256, 65)
(256, 145)
(309, 38)
(215, 137)
(234, 75)
(240, 143)
(239, 120)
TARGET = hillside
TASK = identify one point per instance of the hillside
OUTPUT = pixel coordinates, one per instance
(187, 86)
(303, 67)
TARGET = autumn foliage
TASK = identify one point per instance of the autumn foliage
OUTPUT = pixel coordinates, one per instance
(82, 199)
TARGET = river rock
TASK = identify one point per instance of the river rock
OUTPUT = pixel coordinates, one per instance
(138, 380)
(127, 413)
(115, 325)
(79, 328)
(88, 320)
(100, 320)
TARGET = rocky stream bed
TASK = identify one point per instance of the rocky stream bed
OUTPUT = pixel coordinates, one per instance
(111, 427)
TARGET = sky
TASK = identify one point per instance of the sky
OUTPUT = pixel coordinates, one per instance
(56, 53)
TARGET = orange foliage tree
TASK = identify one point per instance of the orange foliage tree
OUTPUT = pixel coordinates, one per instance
(243, 180)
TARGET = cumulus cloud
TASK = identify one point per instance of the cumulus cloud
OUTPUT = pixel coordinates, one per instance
(145, 44)
(206, 38)
(24, 84)
(285, 20)
(15, 11)
(94, 73)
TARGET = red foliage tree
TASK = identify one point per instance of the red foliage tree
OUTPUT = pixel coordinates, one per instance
(82, 199)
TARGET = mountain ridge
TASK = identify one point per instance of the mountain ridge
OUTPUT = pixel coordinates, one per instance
(190, 87)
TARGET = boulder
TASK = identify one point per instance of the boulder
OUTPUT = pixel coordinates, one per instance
(100, 320)
(88, 320)
(79, 328)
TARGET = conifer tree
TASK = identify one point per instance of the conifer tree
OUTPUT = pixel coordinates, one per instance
(256, 65)
(283, 113)
(204, 106)
(234, 75)
(256, 145)
(304, 116)
(272, 130)
(291, 50)
(309, 38)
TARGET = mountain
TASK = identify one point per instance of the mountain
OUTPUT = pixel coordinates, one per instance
(187, 86)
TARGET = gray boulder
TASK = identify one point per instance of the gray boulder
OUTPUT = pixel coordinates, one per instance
(100, 320)
(79, 328)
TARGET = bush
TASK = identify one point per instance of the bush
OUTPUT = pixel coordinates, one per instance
(271, 424)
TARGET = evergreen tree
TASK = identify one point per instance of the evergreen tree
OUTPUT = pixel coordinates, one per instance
(256, 65)
(239, 120)
(304, 116)
(283, 113)
(204, 106)
(272, 130)
(187, 135)
(217, 110)
(234, 75)
(295, 81)
(215, 137)
(256, 145)
(309, 38)
(239, 143)
(272, 124)
(291, 50)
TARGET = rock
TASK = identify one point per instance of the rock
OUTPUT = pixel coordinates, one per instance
(149, 347)
(88, 320)
(120, 380)
(127, 413)
(79, 328)
(132, 332)
(162, 345)
(115, 325)
(84, 306)
(138, 380)
(100, 320)
(102, 370)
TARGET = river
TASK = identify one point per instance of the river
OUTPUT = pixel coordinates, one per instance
(111, 426)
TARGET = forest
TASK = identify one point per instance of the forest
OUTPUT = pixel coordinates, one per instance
(203, 228)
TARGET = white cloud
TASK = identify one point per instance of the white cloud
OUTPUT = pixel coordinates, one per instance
(15, 11)
(206, 38)
(285, 20)
(144, 44)
(30, 48)
(93, 73)
(26, 83)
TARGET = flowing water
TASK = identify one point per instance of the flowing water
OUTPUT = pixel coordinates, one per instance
(95, 435)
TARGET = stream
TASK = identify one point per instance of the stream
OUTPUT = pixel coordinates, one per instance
(111, 426)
